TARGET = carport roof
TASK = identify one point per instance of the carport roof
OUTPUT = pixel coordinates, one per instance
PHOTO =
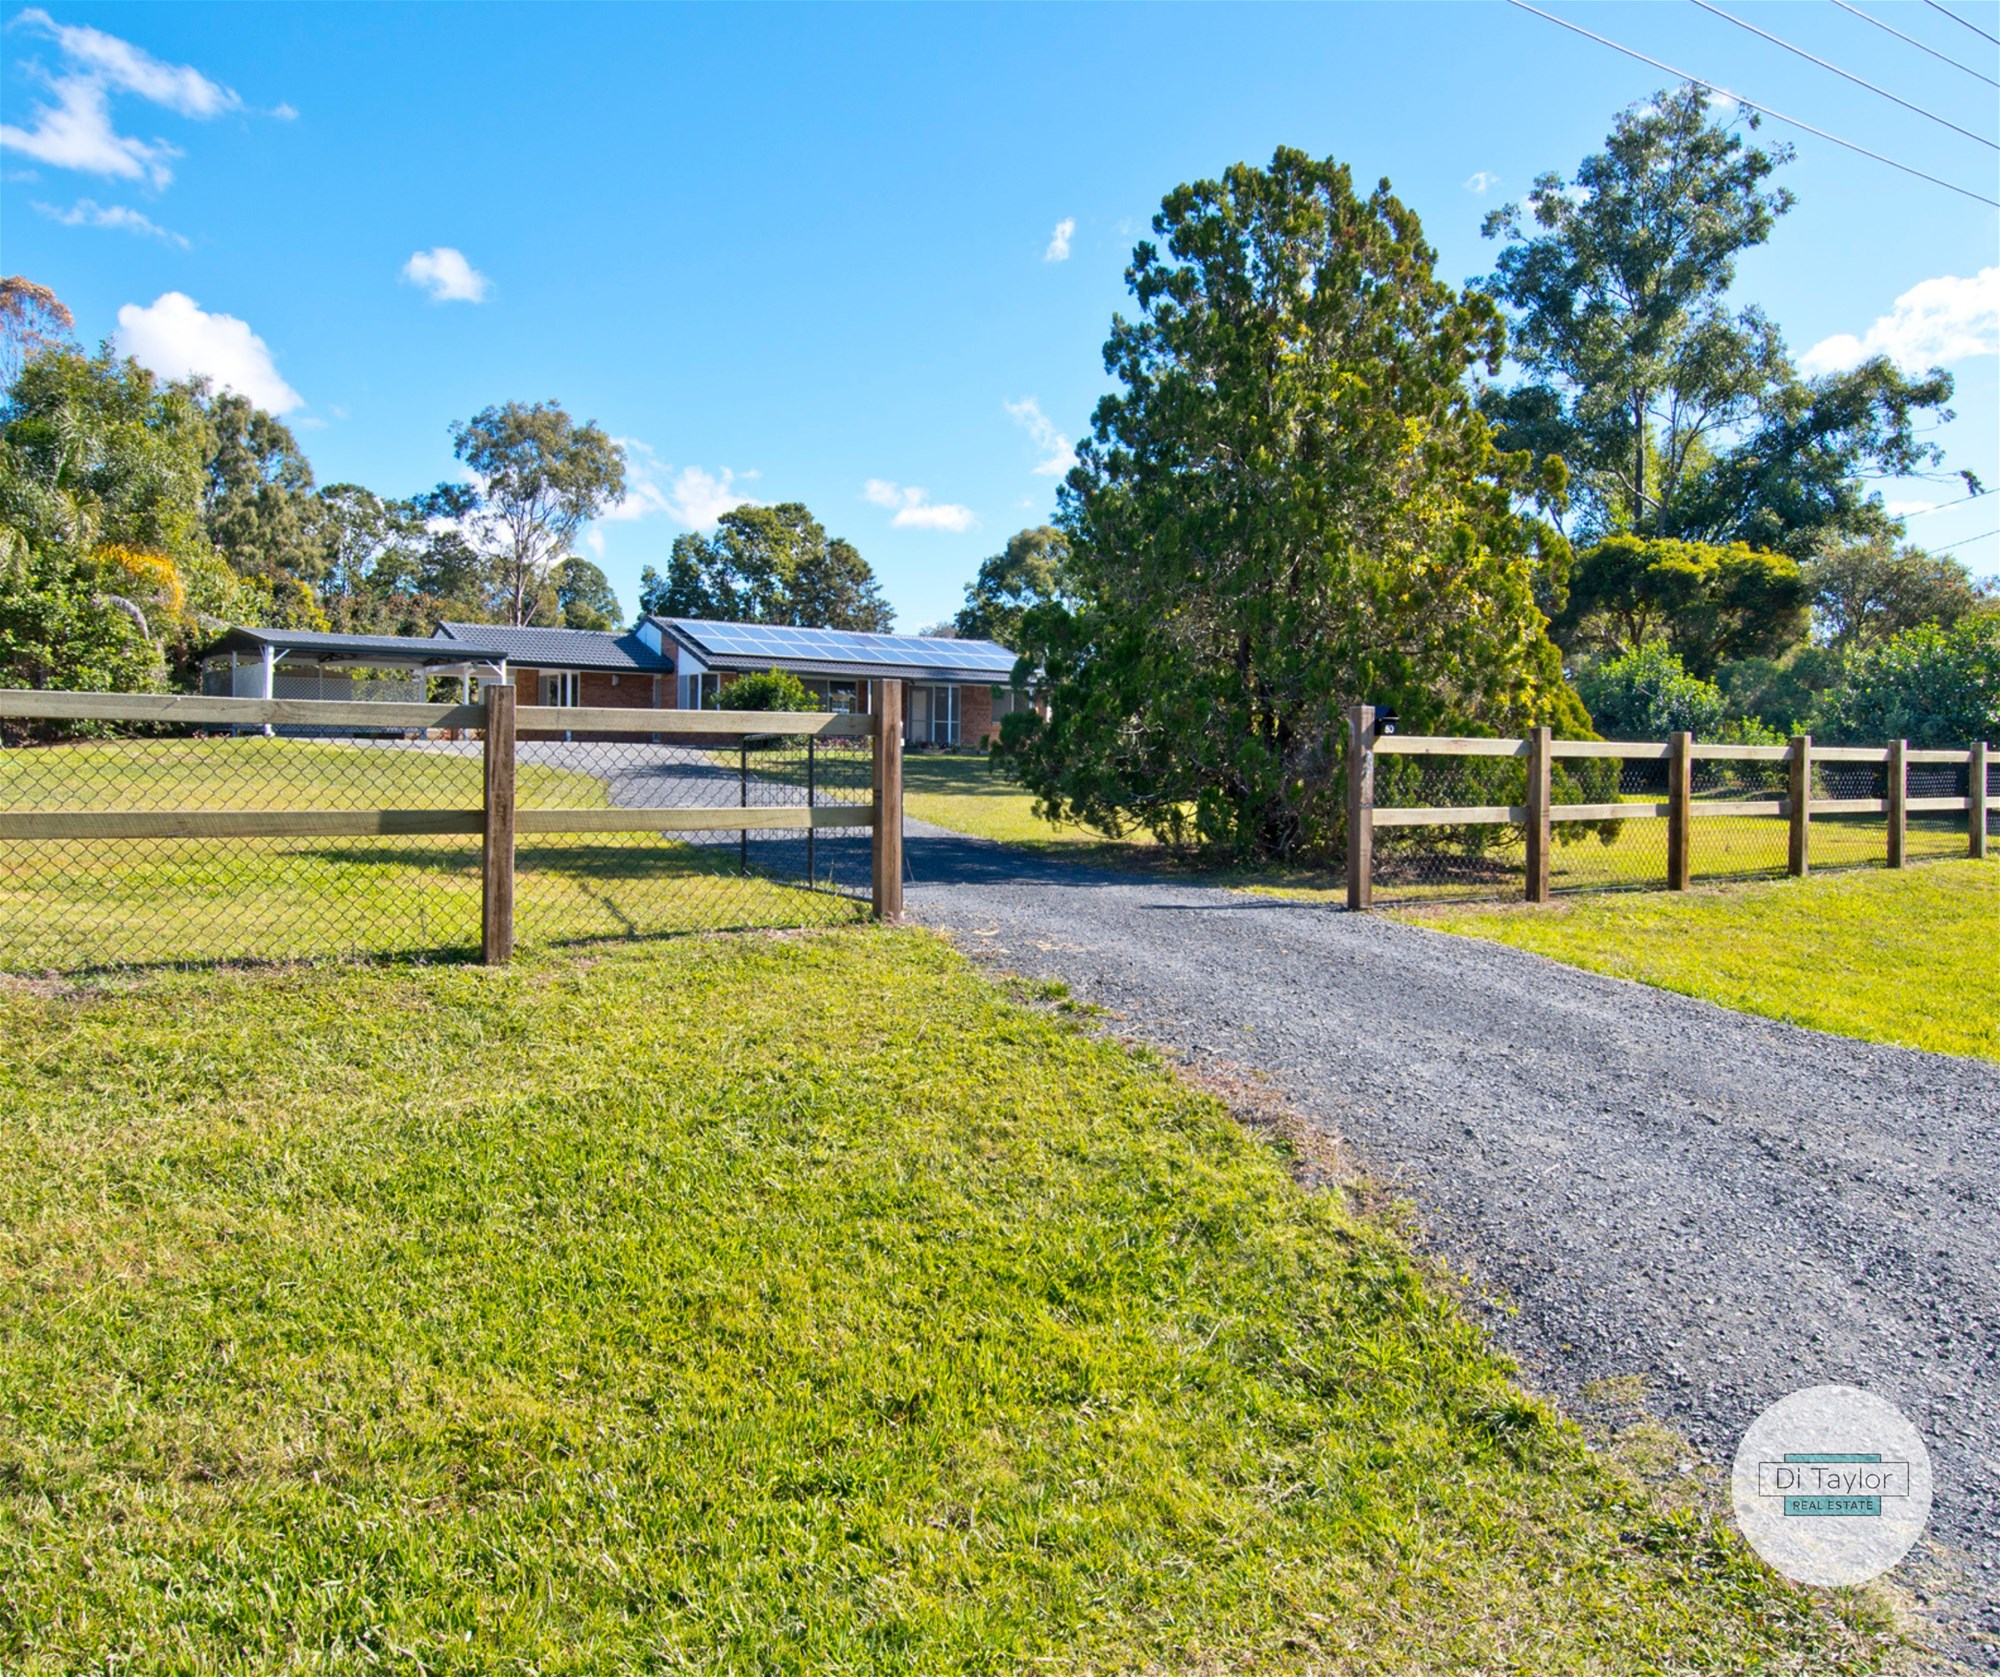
(318, 646)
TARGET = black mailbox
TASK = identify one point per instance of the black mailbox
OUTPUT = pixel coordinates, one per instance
(1385, 722)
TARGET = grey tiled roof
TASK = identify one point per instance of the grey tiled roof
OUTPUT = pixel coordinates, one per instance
(562, 649)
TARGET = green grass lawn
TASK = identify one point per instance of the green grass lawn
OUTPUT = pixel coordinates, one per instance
(1904, 957)
(756, 1305)
(961, 791)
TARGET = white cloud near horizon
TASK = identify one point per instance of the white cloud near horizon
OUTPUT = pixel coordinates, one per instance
(914, 508)
(1481, 180)
(177, 338)
(694, 497)
(87, 212)
(76, 131)
(1937, 321)
(1057, 454)
(446, 276)
(1058, 250)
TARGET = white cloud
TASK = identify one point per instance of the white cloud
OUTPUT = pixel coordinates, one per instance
(914, 508)
(76, 131)
(1058, 250)
(87, 212)
(693, 496)
(1907, 509)
(285, 113)
(176, 337)
(447, 276)
(1940, 320)
(1057, 455)
(1481, 180)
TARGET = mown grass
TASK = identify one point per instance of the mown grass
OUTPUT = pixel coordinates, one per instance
(1904, 957)
(768, 1305)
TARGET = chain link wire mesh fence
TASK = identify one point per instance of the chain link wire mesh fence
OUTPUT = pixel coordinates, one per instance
(368, 841)
(575, 886)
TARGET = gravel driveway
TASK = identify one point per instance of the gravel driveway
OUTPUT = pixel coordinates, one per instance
(1729, 1207)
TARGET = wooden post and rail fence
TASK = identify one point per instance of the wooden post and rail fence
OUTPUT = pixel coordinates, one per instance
(1538, 816)
(499, 820)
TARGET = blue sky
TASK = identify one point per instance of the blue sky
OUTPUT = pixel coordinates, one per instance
(866, 257)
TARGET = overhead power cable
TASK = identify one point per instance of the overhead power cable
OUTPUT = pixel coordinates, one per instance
(1955, 18)
(1869, 17)
(1813, 58)
(1716, 87)
(1966, 542)
(1925, 512)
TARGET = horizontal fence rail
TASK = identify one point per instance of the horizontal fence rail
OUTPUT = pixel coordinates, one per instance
(1424, 820)
(165, 828)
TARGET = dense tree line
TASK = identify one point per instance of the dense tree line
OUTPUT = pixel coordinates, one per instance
(1584, 491)
(138, 516)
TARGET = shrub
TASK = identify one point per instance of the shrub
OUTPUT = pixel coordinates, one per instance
(1646, 694)
(773, 690)
(1938, 688)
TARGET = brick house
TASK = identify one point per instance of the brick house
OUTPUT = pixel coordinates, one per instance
(956, 691)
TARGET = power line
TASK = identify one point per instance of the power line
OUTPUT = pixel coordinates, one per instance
(1868, 17)
(1967, 542)
(1922, 512)
(1716, 87)
(1955, 18)
(1811, 58)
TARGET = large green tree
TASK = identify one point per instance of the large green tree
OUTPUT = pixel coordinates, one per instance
(768, 565)
(540, 477)
(584, 595)
(1870, 590)
(1677, 415)
(257, 498)
(1023, 574)
(1707, 604)
(1289, 504)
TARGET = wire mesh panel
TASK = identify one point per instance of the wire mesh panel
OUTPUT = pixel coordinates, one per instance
(1849, 838)
(1608, 854)
(91, 898)
(1443, 862)
(683, 872)
(1932, 835)
(1738, 845)
(130, 843)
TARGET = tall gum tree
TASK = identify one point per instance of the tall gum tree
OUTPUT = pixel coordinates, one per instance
(1676, 415)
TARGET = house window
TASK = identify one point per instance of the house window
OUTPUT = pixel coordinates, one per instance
(1006, 701)
(841, 697)
(933, 715)
(697, 690)
(559, 687)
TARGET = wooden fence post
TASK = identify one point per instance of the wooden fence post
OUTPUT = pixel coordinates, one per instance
(1539, 741)
(1360, 805)
(1799, 859)
(496, 918)
(1680, 812)
(1899, 798)
(888, 805)
(1975, 808)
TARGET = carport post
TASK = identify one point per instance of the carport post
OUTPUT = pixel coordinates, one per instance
(1799, 857)
(1680, 811)
(1975, 802)
(1539, 740)
(270, 678)
(1899, 799)
(886, 816)
(496, 918)
(1360, 805)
